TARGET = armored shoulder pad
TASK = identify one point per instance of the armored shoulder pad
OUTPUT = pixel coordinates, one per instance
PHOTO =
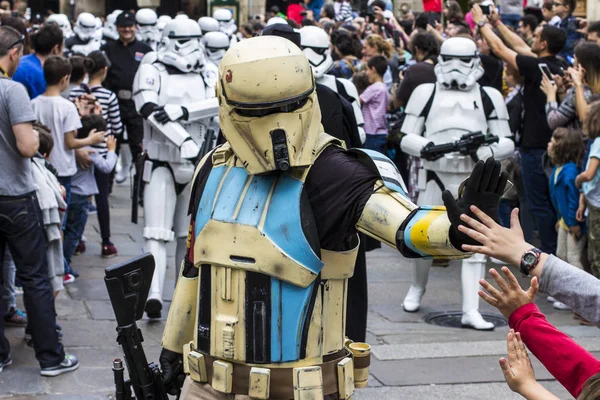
(500, 111)
(150, 58)
(210, 74)
(148, 78)
(419, 99)
(384, 167)
(350, 88)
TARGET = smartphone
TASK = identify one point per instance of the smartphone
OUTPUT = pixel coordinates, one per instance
(486, 9)
(545, 70)
(397, 39)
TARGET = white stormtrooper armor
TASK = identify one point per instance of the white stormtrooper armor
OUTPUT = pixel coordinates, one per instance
(276, 20)
(441, 113)
(148, 31)
(226, 23)
(180, 17)
(63, 22)
(162, 21)
(216, 45)
(209, 24)
(315, 44)
(175, 136)
(109, 32)
(86, 39)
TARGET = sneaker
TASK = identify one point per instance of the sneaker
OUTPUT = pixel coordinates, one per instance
(68, 278)
(92, 210)
(109, 250)
(80, 249)
(5, 363)
(15, 317)
(74, 272)
(560, 306)
(70, 363)
(551, 299)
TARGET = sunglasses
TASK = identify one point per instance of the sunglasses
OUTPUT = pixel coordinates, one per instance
(557, 4)
(18, 42)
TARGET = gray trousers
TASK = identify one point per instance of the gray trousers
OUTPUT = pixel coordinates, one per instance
(7, 289)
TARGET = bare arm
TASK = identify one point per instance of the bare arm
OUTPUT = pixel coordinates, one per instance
(494, 42)
(28, 140)
(514, 41)
(71, 142)
(581, 104)
(589, 173)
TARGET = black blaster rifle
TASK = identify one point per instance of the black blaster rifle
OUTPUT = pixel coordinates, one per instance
(128, 285)
(467, 146)
(137, 187)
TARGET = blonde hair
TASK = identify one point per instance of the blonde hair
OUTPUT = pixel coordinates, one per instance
(382, 45)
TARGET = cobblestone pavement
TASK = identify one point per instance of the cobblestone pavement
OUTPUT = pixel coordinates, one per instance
(411, 359)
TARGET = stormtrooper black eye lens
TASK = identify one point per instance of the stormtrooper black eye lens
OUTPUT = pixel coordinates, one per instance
(466, 60)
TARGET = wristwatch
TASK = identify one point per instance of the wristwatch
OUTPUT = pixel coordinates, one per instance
(482, 22)
(530, 260)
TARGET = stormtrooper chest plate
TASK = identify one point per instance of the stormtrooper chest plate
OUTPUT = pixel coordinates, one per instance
(454, 113)
(181, 88)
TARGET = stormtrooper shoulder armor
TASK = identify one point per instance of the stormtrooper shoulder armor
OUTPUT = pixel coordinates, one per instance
(349, 88)
(414, 122)
(210, 75)
(500, 111)
(146, 85)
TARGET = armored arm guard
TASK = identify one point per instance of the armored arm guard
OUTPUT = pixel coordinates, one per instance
(414, 122)
(498, 126)
(389, 215)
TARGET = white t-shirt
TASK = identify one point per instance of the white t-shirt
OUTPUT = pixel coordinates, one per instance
(60, 116)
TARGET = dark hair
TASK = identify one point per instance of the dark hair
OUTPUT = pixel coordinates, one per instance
(256, 26)
(343, 42)
(407, 25)
(95, 62)
(46, 139)
(78, 68)
(421, 21)
(569, 147)
(547, 5)
(572, 5)
(89, 122)
(8, 37)
(379, 63)
(591, 125)
(554, 37)
(530, 20)
(248, 28)
(379, 3)
(329, 11)
(307, 22)
(462, 28)
(55, 69)
(427, 43)
(17, 23)
(454, 11)
(293, 23)
(594, 27)
(361, 81)
(49, 36)
(588, 55)
(274, 9)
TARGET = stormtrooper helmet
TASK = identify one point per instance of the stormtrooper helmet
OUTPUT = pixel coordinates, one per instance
(147, 20)
(226, 21)
(181, 47)
(276, 20)
(85, 27)
(63, 22)
(180, 17)
(216, 45)
(110, 25)
(208, 24)
(162, 21)
(459, 66)
(315, 44)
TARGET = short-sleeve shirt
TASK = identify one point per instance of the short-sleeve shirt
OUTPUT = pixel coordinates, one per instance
(30, 73)
(60, 116)
(375, 99)
(591, 189)
(16, 178)
(536, 132)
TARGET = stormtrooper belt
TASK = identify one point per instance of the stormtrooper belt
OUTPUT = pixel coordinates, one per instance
(276, 383)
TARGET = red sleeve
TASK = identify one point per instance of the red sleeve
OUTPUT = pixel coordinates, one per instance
(567, 361)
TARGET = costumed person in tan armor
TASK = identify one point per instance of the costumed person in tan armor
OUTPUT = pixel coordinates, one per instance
(260, 306)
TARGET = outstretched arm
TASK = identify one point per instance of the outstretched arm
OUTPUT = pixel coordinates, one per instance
(494, 42)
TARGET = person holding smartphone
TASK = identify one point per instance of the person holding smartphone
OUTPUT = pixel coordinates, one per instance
(548, 41)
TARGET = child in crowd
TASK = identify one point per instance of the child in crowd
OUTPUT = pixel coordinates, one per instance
(566, 151)
(374, 102)
(77, 75)
(96, 66)
(62, 118)
(589, 181)
(83, 184)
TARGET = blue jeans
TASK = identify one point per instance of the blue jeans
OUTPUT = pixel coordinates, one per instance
(511, 20)
(537, 193)
(66, 182)
(77, 217)
(376, 142)
(22, 231)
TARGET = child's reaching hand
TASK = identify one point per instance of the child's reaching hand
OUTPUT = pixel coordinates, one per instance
(111, 143)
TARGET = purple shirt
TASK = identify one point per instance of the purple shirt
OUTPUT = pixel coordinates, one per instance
(375, 99)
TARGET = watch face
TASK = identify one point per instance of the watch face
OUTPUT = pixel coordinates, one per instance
(529, 258)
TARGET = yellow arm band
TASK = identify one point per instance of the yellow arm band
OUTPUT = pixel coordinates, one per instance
(179, 329)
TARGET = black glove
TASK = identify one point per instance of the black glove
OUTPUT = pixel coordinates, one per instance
(162, 116)
(483, 189)
(171, 364)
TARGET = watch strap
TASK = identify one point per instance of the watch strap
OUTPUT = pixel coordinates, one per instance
(525, 267)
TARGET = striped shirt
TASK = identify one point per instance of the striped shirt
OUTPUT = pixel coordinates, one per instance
(110, 110)
(345, 13)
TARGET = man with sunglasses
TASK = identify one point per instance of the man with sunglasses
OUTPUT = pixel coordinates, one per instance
(568, 22)
(21, 228)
